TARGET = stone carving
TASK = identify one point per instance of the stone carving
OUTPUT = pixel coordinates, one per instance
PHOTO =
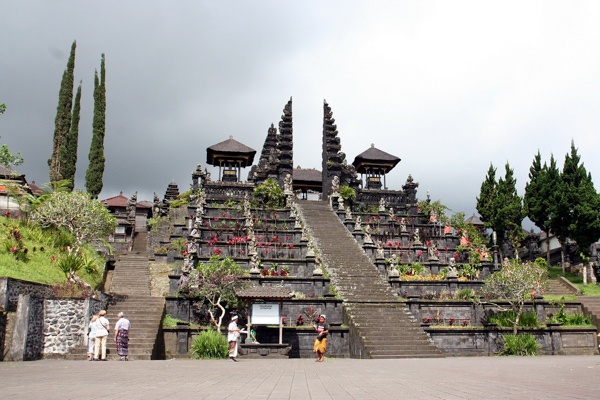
(391, 214)
(188, 264)
(318, 266)
(452, 273)
(368, 239)
(289, 201)
(131, 207)
(393, 269)
(310, 250)
(297, 223)
(335, 186)
(382, 205)
(254, 264)
(304, 236)
(341, 203)
(379, 253)
(403, 225)
(358, 225)
(432, 251)
(192, 246)
(348, 213)
(195, 233)
(416, 237)
(288, 185)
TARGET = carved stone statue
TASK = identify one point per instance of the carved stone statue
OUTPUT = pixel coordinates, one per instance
(192, 246)
(335, 186)
(288, 185)
(452, 273)
(358, 225)
(188, 264)
(297, 223)
(304, 236)
(254, 264)
(403, 225)
(195, 233)
(382, 205)
(416, 237)
(393, 269)
(318, 266)
(156, 206)
(391, 213)
(310, 250)
(289, 200)
(348, 213)
(379, 253)
(368, 239)
(432, 251)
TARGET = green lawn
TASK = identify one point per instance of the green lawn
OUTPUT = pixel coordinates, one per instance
(30, 253)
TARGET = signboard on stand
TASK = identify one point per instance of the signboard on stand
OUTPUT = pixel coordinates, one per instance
(265, 314)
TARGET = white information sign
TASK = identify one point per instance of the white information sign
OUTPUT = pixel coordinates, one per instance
(265, 314)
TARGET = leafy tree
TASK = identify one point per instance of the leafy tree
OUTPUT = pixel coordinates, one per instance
(516, 283)
(500, 207)
(487, 195)
(85, 218)
(539, 199)
(63, 117)
(216, 283)
(509, 210)
(95, 171)
(68, 152)
(578, 206)
(9, 159)
(2, 108)
(270, 194)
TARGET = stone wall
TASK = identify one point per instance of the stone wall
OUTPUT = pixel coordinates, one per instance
(488, 341)
(3, 330)
(472, 313)
(177, 340)
(65, 325)
(183, 309)
(11, 288)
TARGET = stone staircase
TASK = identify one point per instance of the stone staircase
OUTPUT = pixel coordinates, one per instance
(381, 326)
(131, 288)
(560, 287)
(591, 307)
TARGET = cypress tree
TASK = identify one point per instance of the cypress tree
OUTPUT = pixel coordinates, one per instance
(487, 194)
(95, 171)
(62, 122)
(537, 200)
(578, 206)
(68, 152)
(509, 211)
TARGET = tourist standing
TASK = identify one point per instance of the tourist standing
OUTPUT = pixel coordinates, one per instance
(92, 338)
(101, 335)
(122, 337)
(320, 345)
(233, 333)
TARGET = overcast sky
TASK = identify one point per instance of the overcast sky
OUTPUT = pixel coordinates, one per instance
(448, 86)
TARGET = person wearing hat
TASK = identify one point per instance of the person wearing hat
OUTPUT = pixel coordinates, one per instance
(233, 333)
(320, 345)
(101, 335)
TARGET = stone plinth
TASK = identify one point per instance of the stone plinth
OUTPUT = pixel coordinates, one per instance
(270, 350)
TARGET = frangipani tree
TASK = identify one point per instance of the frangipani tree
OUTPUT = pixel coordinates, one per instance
(516, 283)
(216, 283)
(86, 219)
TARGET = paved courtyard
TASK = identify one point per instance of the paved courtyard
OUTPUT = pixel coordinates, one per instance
(558, 377)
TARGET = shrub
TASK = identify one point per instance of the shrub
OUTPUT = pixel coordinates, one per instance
(519, 345)
(270, 194)
(348, 194)
(210, 345)
(506, 319)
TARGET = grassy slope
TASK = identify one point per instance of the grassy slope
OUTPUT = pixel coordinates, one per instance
(44, 247)
(590, 289)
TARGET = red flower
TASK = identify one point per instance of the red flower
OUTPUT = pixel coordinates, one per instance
(13, 249)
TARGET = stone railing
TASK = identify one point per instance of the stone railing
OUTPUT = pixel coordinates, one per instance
(223, 191)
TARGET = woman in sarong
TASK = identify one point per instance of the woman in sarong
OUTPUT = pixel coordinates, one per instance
(122, 337)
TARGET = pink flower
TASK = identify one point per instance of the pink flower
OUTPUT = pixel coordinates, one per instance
(13, 249)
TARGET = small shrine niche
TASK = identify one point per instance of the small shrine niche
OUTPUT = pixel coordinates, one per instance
(230, 157)
(373, 164)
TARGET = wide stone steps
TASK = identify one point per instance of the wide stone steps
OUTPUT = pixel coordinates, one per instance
(591, 307)
(384, 325)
